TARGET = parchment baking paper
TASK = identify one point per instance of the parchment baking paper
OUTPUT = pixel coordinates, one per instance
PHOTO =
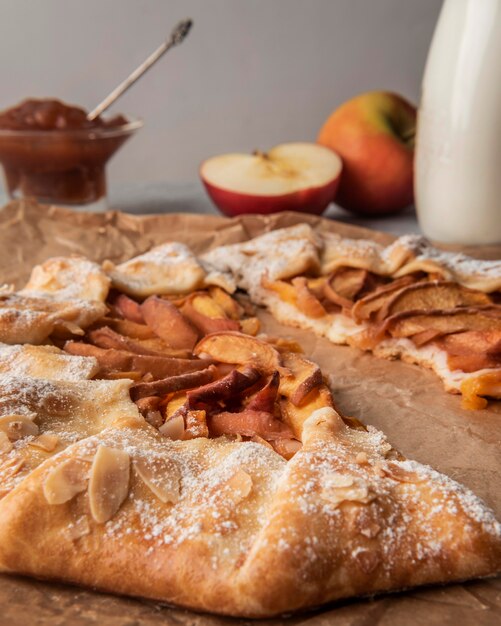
(407, 403)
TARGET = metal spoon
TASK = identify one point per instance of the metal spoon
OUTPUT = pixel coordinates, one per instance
(177, 36)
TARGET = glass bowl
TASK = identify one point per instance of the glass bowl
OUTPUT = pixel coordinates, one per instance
(64, 167)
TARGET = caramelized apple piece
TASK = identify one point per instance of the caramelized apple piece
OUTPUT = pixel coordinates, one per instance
(426, 336)
(250, 326)
(128, 328)
(121, 375)
(488, 384)
(285, 291)
(346, 284)
(206, 315)
(248, 423)
(472, 350)
(223, 389)
(233, 347)
(432, 296)
(203, 303)
(295, 416)
(410, 323)
(284, 344)
(264, 399)
(128, 308)
(366, 307)
(196, 425)
(168, 323)
(316, 286)
(173, 383)
(173, 402)
(148, 404)
(230, 306)
(303, 378)
(306, 302)
(121, 360)
(106, 338)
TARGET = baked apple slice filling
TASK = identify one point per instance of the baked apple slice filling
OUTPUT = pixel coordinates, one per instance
(407, 301)
(199, 371)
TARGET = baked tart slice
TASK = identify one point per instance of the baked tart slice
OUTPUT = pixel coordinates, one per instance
(407, 300)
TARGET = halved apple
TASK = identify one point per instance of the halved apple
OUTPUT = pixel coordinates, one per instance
(290, 177)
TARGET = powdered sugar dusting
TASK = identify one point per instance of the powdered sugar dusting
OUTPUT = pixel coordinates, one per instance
(68, 278)
(47, 362)
(208, 506)
(458, 262)
(169, 268)
(278, 254)
(413, 511)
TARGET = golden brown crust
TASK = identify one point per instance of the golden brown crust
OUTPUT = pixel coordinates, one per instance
(338, 520)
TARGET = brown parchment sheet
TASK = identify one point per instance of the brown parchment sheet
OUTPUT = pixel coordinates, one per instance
(406, 402)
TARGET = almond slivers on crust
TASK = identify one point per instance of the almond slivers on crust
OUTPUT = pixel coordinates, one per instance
(108, 483)
(66, 480)
(161, 478)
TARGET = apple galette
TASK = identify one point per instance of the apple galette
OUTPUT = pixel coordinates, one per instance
(153, 443)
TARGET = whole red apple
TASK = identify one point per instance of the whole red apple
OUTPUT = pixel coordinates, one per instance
(290, 177)
(374, 135)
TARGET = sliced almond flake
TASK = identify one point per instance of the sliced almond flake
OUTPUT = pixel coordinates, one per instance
(239, 486)
(370, 529)
(79, 528)
(173, 428)
(11, 467)
(362, 458)
(66, 480)
(396, 472)
(71, 327)
(379, 469)
(367, 560)
(340, 480)
(287, 447)
(17, 426)
(109, 482)
(340, 488)
(5, 443)
(161, 477)
(46, 442)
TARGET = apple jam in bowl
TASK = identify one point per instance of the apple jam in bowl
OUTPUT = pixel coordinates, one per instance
(50, 151)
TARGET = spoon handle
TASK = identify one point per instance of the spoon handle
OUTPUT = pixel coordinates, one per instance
(177, 36)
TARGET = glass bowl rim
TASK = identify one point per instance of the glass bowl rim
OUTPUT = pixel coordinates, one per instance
(130, 126)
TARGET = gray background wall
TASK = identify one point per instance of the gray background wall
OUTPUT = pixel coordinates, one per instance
(251, 74)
